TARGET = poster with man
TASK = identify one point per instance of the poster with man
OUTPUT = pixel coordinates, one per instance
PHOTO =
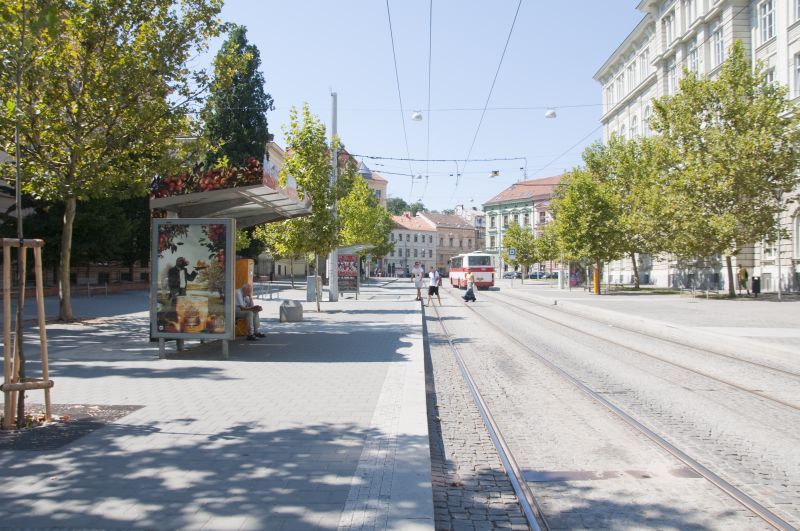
(192, 279)
(348, 273)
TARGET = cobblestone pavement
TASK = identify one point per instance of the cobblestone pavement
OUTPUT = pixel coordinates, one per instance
(743, 434)
(470, 487)
(587, 468)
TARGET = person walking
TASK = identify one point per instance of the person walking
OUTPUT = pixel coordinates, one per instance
(469, 295)
(417, 273)
(742, 276)
(434, 280)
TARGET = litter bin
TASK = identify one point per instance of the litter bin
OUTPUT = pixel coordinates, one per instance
(755, 286)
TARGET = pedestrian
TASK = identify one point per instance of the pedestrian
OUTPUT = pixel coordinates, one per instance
(245, 309)
(434, 281)
(469, 295)
(417, 273)
(743, 276)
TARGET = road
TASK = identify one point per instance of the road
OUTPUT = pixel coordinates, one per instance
(586, 466)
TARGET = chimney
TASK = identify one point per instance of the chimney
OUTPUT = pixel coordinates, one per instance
(407, 215)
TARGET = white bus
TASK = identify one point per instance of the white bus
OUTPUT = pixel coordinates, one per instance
(479, 264)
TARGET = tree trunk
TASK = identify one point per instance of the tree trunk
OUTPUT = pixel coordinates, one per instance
(291, 270)
(635, 271)
(64, 296)
(731, 287)
(318, 281)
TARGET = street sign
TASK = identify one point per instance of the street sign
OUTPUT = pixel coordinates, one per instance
(512, 253)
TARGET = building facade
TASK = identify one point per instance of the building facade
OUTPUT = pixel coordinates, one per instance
(455, 236)
(697, 34)
(525, 203)
(476, 218)
(414, 240)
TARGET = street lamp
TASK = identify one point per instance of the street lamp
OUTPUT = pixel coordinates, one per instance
(416, 116)
(550, 113)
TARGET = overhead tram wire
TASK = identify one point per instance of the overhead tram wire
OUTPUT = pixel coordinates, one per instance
(491, 89)
(576, 144)
(428, 139)
(378, 157)
(400, 98)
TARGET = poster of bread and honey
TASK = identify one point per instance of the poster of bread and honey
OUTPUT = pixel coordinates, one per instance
(192, 280)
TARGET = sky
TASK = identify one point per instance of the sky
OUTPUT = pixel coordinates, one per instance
(312, 47)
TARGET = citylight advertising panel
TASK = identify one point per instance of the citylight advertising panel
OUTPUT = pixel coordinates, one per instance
(191, 292)
(348, 273)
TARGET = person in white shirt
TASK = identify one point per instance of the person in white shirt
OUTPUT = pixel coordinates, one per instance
(434, 279)
(245, 309)
(417, 273)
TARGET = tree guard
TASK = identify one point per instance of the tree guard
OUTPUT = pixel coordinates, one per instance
(11, 381)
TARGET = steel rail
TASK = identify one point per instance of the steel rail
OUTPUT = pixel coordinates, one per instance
(793, 374)
(736, 494)
(704, 374)
(527, 501)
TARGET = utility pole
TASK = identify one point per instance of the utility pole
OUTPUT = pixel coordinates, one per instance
(333, 258)
(779, 196)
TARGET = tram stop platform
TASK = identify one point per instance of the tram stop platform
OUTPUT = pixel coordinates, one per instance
(322, 424)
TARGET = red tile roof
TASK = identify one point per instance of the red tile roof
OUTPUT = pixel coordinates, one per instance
(531, 189)
(450, 221)
(413, 223)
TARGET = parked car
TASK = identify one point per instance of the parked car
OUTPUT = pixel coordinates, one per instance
(512, 274)
(552, 274)
(537, 274)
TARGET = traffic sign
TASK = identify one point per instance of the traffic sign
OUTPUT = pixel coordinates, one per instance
(512, 253)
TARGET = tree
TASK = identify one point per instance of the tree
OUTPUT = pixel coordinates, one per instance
(398, 206)
(524, 243)
(734, 139)
(104, 98)
(309, 162)
(236, 111)
(632, 169)
(587, 215)
(363, 219)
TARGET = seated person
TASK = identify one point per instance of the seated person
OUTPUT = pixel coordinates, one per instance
(245, 309)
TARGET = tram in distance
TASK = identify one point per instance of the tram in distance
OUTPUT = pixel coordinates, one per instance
(479, 264)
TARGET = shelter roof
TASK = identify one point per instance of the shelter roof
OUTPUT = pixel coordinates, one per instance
(248, 205)
(531, 189)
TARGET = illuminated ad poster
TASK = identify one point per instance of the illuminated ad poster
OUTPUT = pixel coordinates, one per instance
(348, 273)
(191, 293)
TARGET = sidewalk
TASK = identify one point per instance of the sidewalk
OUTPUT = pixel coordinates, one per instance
(322, 424)
(757, 323)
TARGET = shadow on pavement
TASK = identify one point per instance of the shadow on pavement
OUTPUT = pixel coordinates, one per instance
(243, 477)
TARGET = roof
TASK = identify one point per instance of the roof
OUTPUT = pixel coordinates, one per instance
(531, 189)
(409, 222)
(638, 32)
(367, 173)
(450, 221)
(249, 205)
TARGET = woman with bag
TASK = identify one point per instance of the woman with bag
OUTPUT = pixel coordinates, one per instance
(470, 293)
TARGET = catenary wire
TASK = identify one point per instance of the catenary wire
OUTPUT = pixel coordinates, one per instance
(400, 96)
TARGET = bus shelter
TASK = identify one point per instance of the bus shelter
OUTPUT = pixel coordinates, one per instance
(193, 248)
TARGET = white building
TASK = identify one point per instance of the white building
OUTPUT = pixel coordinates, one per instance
(414, 240)
(697, 34)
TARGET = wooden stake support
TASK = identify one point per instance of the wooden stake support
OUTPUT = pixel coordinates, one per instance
(11, 384)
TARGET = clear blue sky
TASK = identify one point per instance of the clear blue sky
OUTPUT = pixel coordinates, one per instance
(310, 47)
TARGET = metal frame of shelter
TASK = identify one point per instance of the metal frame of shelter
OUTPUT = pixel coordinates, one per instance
(248, 205)
(353, 249)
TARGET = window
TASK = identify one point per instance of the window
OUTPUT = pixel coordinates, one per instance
(527, 220)
(796, 225)
(672, 76)
(391, 253)
(392, 236)
(542, 218)
(451, 242)
(505, 220)
(610, 95)
(769, 76)
(408, 237)
(634, 127)
(408, 252)
(378, 194)
(631, 81)
(621, 86)
(430, 253)
(669, 28)
(460, 243)
(469, 242)
(796, 74)
(491, 242)
(646, 121)
(797, 9)
(430, 238)
(415, 252)
(491, 222)
(415, 238)
(766, 20)
(693, 59)
(622, 131)
(691, 11)
(717, 43)
(644, 59)
(441, 241)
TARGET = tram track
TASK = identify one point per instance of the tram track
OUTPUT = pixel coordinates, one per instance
(525, 493)
(772, 368)
(704, 374)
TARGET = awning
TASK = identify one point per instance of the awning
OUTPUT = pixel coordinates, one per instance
(353, 249)
(248, 205)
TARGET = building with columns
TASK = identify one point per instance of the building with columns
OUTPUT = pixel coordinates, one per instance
(697, 34)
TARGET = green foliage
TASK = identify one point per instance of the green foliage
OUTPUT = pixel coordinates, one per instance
(398, 206)
(105, 88)
(364, 220)
(734, 142)
(524, 242)
(236, 111)
(587, 215)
